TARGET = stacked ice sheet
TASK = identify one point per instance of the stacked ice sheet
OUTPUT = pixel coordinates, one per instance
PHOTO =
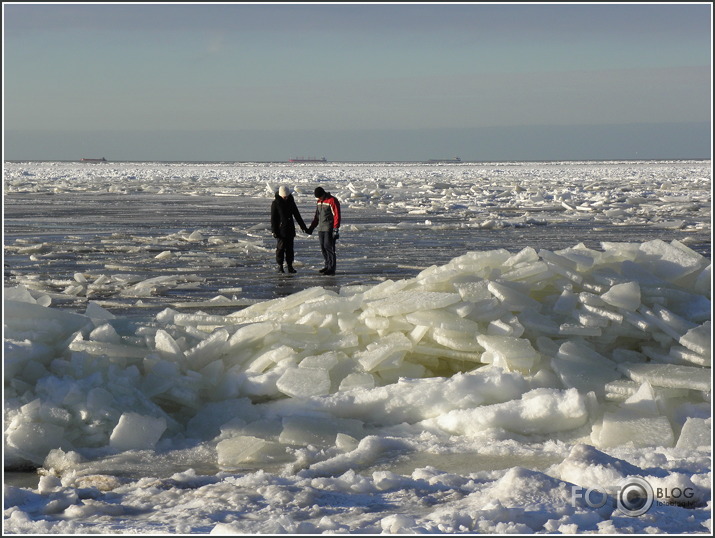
(612, 344)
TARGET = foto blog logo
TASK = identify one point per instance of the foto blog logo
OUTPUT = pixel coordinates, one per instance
(634, 496)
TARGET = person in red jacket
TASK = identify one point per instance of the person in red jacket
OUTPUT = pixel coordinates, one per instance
(327, 220)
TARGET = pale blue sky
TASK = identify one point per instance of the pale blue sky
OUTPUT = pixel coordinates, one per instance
(357, 82)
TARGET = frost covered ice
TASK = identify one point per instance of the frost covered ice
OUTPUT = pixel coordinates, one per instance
(484, 394)
(484, 354)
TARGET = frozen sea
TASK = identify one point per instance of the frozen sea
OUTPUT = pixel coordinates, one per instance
(506, 348)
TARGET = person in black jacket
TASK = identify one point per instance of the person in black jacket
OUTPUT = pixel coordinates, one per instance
(283, 209)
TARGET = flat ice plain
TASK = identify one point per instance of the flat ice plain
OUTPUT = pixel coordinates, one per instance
(507, 348)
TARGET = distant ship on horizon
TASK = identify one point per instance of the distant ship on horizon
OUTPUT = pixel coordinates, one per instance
(455, 160)
(86, 160)
(307, 160)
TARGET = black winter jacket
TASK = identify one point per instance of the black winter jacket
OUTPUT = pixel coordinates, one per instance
(282, 213)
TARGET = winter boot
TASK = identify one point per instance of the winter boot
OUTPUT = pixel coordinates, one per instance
(290, 269)
(280, 269)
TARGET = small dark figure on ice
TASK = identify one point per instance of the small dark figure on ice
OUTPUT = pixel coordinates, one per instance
(283, 210)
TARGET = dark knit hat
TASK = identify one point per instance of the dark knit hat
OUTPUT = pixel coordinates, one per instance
(319, 192)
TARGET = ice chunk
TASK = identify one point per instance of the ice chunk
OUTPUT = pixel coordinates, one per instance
(345, 442)
(20, 294)
(110, 350)
(368, 451)
(581, 367)
(135, 431)
(515, 300)
(682, 354)
(357, 380)
(698, 339)
(391, 348)
(456, 340)
(167, 347)
(475, 292)
(304, 382)
(163, 255)
(208, 349)
(412, 301)
(320, 431)
(626, 295)
(96, 312)
(566, 303)
(671, 261)
(324, 361)
(532, 272)
(667, 375)
(622, 427)
(696, 434)
(51, 324)
(248, 449)
(249, 334)
(265, 360)
(444, 320)
(517, 353)
(32, 441)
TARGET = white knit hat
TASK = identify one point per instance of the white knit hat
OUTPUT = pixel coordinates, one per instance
(283, 191)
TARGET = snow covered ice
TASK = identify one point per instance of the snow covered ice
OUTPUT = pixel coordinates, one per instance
(501, 340)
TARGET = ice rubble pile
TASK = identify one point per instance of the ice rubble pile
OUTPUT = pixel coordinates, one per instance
(532, 343)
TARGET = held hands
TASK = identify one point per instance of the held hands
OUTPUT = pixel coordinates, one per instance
(336, 235)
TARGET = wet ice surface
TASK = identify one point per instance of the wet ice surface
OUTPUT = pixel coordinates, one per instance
(205, 227)
(361, 402)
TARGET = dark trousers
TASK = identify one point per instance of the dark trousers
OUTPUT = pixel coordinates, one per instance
(284, 250)
(327, 247)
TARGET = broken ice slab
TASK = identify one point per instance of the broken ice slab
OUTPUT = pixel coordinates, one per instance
(457, 340)
(581, 367)
(45, 324)
(208, 349)
(167, 346)
(243, 449)
(515, 300)
(391, 348)
(135, 431)
(325, 360)
(517, 353)
(621, 389)
(621, 427)
(681, 354)
(357, 380)
(668, 375)
(441, 319)
(412, 301)
(264, 360)
(698, 339)
(532, 272)
(304, 382)
(626, 295)
(696, 434)
(318, 430)
(110, 350)
(249, 334)
(671, 261)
